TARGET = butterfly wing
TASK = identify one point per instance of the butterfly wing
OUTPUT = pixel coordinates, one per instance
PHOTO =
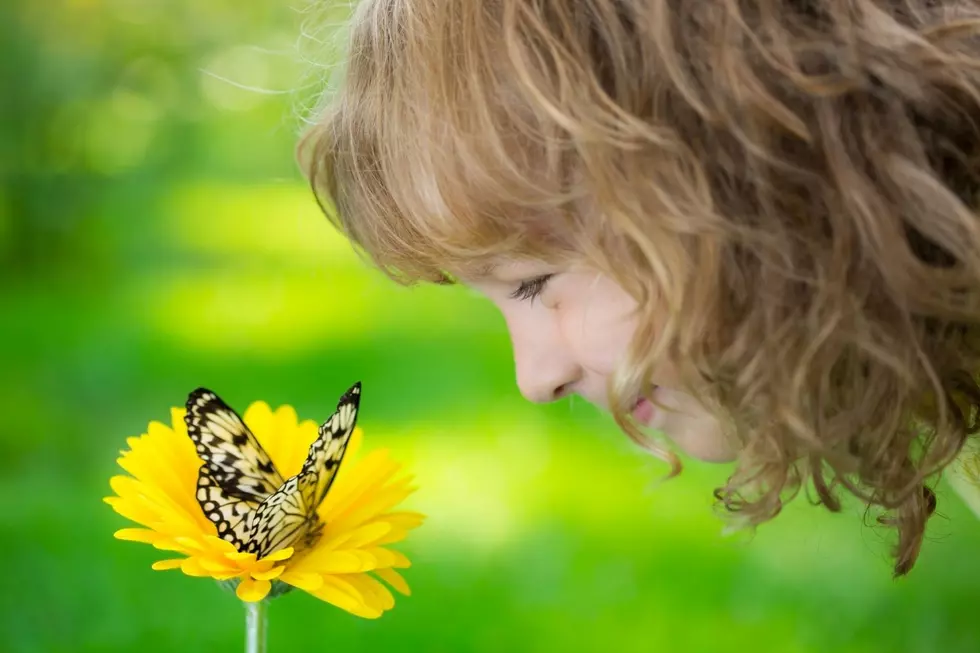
(236, 461)
(279, 521)
(230, 515)
(327, 451)
(289, 513)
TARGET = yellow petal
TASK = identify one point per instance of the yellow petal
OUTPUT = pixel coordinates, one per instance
(190, 543)
(400, 561)
(371, 504)
(144, 502)
(294, 445)
(192, 567)
(123, 485)
(275, 572)
(285, 440)
(177, 420)
(330, 562)
(172, 482)
(172, 449)
(380, 557)
(168, 544)
(394, 536)
(253, 590)
(394, 579)
(258, 418)
(366, 611)
(217, 566)
(219, 546)
(180, 524)
(341, 594)
(132, 511)
(173, 563)
(365, 477)
(137, 535)
(308, 582)
(374, 592)
(165, 460)
(405, 519)
(354, 444)
(356, 537)
(401, 523)
(281, 554)
(353, 481)
(285, 418)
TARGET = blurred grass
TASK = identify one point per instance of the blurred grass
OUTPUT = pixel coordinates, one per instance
(156, 237)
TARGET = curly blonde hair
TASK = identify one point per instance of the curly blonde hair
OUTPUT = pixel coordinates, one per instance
(788, 188)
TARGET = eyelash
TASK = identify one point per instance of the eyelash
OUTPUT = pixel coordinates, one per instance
(531, 288)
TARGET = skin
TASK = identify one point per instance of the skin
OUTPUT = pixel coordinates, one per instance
(569, 330)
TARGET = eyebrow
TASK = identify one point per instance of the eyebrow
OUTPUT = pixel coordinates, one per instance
(486, 270)
(479, 273)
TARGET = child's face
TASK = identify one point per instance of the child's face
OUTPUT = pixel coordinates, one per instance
(569, 329)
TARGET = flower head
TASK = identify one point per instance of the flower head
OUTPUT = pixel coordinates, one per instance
(344, 561)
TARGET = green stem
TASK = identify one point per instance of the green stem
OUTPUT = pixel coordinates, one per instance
(256, 625)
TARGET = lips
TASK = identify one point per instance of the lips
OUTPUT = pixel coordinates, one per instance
(644, 411)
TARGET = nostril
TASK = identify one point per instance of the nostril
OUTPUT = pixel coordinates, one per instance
(562, 390)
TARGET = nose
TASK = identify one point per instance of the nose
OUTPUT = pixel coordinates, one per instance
(545, 368)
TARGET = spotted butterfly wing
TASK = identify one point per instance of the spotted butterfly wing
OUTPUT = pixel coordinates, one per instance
(327, 451)
(279, 521)
(231, 516)
(237, 474)
(290, 513)
(236, 461)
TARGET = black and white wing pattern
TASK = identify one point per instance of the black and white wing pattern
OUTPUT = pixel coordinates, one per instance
(230, 515)
(235, 460)
(290, 513)
(279, 521)
(327, 451)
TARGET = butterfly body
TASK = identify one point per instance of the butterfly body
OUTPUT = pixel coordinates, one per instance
(241, 491)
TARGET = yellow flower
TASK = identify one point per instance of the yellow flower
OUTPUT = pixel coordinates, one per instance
(345, 565)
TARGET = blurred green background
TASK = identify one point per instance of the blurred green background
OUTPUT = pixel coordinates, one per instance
(155, 235)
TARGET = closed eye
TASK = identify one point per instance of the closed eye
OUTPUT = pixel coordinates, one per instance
(531, 288)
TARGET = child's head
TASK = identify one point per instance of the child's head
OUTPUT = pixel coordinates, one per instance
(770, 206)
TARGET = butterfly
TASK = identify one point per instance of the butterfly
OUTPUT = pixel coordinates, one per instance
(241, 491)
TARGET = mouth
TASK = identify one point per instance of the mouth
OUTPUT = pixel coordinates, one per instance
(644, 411)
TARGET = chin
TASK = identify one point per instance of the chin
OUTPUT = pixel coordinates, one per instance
(712, 455)
(700, 437)
(685, 422)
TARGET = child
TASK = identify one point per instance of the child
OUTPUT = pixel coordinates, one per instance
(751, 225)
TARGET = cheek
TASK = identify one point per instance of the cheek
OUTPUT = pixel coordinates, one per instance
(597, 324)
